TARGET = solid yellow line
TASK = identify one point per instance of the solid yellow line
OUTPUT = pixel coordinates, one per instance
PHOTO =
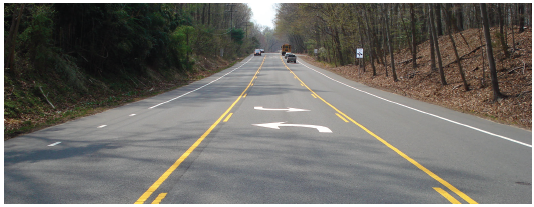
(159, 198)
(430, 173)
(173, 167)
(447, 195)
(228, 117)
(341, 117)
(245, 95)
(314, 95)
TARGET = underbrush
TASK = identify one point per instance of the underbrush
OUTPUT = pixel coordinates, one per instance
(33, 101)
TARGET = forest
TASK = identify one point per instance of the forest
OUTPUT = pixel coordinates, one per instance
(65, 60)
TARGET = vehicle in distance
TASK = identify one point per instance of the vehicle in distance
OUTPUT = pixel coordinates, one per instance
(291, 58)
(287, 54)
(257, 52)
(262, 51)
(285, 49)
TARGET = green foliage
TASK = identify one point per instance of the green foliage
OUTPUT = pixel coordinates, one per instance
(237, 35)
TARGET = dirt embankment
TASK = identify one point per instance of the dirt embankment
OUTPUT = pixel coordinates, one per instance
(514, 75)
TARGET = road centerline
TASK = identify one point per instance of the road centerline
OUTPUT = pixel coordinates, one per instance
(409, 159)
(177, 163)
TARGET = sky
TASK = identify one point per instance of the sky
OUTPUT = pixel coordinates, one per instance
(263, 13)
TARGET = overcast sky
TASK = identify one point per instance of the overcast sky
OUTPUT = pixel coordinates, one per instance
(263, 13)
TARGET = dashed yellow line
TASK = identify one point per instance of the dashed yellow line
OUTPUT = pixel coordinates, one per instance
(159, 198)
(228, 117)
(421, 167)
(447, 195)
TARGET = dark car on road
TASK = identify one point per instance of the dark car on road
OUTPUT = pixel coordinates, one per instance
(257, 52)
(291, 58)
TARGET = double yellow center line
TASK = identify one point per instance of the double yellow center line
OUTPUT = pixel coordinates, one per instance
(421, 167)
(171, 169)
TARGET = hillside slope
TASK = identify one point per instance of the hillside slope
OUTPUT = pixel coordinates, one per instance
(26, 109)
(514, 75)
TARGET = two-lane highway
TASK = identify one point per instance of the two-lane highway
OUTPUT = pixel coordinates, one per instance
(267, 131)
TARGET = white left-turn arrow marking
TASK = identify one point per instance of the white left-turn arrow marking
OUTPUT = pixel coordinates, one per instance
(277, 125)
(288, 109)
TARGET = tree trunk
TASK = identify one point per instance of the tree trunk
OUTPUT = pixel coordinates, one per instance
(371, 44)
(390, 46)
(493, 71)
(504, 46)
(436, 46)
(437, 19)
(521, 11)
(431, 39)
(361, 42)
(512, 13)
(460, 17)
(414, 42)
(449, 28)
(12, 40)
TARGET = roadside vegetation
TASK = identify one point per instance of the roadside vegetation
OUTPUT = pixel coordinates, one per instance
(64, 61)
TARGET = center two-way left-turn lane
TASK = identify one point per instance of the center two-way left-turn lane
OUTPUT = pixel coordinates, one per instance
(283, 144)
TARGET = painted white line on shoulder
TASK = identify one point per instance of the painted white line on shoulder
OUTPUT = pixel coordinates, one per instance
(132, 114)
(102, 126)
(198, 87)
(439, 117)
(54, 144)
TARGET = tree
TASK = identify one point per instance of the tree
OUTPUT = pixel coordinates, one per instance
(10, 42)
(504, 46)
(371, 44)
(436, 45)
(448, 23)
(493, 71)
(414, 42)
(431, 40)
(521, 11)
(390, 45)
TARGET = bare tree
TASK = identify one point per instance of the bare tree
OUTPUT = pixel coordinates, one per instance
(448, 23)
(371, 44)
(521, 11)
(493, 71)
(414, 42)
(431, 40)
(504, 46)
(436, 45)
(390, 44)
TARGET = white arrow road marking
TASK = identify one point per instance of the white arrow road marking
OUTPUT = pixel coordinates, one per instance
(288, 109)
(277, 125)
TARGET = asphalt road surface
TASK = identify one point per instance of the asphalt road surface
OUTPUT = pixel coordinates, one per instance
(267, 131)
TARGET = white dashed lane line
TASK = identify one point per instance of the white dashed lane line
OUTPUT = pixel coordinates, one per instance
(54, 144)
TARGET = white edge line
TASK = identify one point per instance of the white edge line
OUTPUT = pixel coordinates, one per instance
(54, 144)
(439, 117)
(199, 87)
